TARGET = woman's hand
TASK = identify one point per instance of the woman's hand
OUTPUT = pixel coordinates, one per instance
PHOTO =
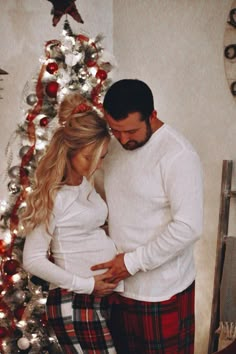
(102, 287)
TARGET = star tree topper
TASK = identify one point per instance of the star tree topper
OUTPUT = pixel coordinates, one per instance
(64, 7)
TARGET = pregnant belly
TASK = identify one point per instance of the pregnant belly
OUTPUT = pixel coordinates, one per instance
(91, 252)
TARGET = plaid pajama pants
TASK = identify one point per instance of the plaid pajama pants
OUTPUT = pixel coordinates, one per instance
(166, 327)
(80, 322)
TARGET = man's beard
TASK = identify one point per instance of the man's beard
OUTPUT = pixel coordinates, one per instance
(133, 144)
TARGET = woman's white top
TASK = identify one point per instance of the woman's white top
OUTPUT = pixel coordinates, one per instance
(77, 240)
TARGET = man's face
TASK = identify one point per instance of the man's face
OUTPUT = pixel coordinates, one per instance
(131, 132)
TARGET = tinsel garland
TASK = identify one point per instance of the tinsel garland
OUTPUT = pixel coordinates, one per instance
(73, 63)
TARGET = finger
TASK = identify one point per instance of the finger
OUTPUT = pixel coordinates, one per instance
(110, 278)
(101, 266)
(104, 276)
(112, 286)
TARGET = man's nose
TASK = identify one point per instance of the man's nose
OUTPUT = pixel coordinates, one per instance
(123, 138)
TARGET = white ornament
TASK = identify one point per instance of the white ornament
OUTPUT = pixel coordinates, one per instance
(23, 343)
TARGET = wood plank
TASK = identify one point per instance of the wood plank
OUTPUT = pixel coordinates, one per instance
(223, 223)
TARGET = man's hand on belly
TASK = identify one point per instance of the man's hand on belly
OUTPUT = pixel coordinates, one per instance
(117, 270)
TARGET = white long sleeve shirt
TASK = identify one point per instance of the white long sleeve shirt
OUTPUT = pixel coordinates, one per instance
(77, 240)
(155, 202)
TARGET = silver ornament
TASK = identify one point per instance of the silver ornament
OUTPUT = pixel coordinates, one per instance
(14, 172)
(18, 296)
(23, 150)
(48, 109)
(31, 99)
(83, 74)
(13, 187)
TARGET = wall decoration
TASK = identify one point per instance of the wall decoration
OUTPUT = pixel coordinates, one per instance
(230, 49)
(2, 72)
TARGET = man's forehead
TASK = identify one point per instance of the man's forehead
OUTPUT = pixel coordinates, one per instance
(132, 121)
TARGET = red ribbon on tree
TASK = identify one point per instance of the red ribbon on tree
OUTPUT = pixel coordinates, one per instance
(24, 179)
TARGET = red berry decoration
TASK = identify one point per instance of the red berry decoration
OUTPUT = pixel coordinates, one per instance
(44, 122)
(52, 67)
(52, 88)
(101, 74)
(2, 247)
(10, 266)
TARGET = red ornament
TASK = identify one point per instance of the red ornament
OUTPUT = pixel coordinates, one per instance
(10, 266)
(52, 88)
(19, 312)
(52, 67)
(3, 332)
(44, 122)
(91, 63)
(101, 74)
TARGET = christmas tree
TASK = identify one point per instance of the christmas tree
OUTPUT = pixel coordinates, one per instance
(75, 62)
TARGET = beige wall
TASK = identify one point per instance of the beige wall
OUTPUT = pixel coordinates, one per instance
(176, 46)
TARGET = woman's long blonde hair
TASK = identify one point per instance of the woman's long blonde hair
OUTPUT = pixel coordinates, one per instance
(78, 130)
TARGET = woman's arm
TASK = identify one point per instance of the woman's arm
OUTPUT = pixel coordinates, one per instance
(35, 261)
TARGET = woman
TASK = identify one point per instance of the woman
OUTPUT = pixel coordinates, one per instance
(65, 214)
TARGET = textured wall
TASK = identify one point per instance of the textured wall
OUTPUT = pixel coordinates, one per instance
(177, 48)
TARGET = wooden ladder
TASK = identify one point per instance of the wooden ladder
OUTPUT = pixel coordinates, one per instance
(226, 195)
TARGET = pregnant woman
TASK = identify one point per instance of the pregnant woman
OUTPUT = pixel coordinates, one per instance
(64, 216)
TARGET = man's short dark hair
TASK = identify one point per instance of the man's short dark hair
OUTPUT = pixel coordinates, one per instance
(128, 96)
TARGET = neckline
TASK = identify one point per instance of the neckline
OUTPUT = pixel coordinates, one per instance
(76, 185)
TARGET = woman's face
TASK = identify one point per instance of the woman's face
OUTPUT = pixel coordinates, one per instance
(81, 162)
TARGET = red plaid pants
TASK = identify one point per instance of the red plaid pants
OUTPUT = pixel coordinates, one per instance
(166, 327)
(80, 322)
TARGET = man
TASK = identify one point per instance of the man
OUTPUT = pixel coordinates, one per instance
(153, 187)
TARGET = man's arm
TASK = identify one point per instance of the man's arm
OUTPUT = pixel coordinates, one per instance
(184, 188)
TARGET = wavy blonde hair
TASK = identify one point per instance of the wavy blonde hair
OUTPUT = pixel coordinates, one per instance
(78, 130)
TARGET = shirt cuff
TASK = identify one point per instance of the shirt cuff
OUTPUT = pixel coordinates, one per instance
(83, 285)
(131, 262)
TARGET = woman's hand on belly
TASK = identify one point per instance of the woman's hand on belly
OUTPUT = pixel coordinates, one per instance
(102, 287)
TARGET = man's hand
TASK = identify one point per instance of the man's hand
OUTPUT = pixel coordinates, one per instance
(116, 269)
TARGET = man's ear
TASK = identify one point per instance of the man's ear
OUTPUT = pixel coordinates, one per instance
(153, 116)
